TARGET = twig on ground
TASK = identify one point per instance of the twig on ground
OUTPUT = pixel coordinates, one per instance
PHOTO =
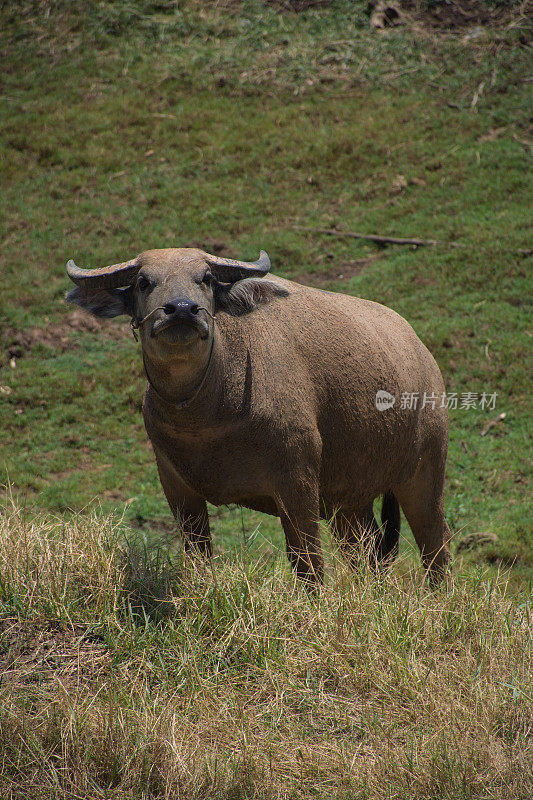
(492, 423)
(373, 237)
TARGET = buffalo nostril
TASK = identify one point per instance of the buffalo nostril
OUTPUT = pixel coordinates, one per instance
(181, 305)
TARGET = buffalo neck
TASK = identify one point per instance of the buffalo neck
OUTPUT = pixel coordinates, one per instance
(178, 383)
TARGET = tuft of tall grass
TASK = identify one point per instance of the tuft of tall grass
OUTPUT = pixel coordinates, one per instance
(129, 674)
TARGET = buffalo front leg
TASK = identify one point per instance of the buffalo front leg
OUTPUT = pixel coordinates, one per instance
(188, 508)
(300, 520)
(194, 526)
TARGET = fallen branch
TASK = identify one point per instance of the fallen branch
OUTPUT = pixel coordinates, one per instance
(492, 423)
(373, 237)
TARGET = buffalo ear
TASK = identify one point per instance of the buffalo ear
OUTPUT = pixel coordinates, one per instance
(103, 302)
(245, 295)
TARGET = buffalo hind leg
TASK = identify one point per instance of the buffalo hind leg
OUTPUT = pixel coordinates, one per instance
(356, 530)
(421, 499)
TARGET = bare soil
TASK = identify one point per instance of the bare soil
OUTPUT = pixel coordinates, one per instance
(457, 14)
(336, 272)
(58, 335)
(444, 15)
(298, 5)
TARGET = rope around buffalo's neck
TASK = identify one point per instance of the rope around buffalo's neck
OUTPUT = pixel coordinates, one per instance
(188, 400)
(135, 324)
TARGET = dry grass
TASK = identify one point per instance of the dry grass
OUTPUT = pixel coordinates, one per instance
(127, 676)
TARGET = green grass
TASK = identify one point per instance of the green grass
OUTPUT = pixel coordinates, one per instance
(130, 126)
(126, 675)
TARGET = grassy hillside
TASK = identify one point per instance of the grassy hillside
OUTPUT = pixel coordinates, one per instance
(131, 126)
(232, 126)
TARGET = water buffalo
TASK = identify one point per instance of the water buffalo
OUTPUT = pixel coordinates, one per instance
(284, 399)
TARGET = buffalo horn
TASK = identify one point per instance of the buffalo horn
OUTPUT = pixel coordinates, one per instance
(228, 270)
(104, 277)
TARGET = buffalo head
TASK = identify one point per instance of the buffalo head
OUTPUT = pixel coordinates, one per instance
(173, 296)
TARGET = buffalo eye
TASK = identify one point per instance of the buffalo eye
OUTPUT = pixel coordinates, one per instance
(143, 283)
(206, 279)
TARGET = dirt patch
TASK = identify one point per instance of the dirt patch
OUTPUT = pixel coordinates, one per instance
(519, 302)
(117, 495)
(40, 651)
(298, 5)
(216, 247)
(457, 14)
(423, 280)
(473, 541)
(336, 273)
(165, 527)
(442, 15)
(57, 335)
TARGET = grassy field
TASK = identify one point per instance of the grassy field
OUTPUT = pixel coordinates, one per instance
(231, 125)
(129, 677)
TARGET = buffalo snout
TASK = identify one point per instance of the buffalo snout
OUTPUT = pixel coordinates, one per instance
(181, 307)
(182, 316)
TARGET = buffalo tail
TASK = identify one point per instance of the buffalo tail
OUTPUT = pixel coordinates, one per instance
(387, 542)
